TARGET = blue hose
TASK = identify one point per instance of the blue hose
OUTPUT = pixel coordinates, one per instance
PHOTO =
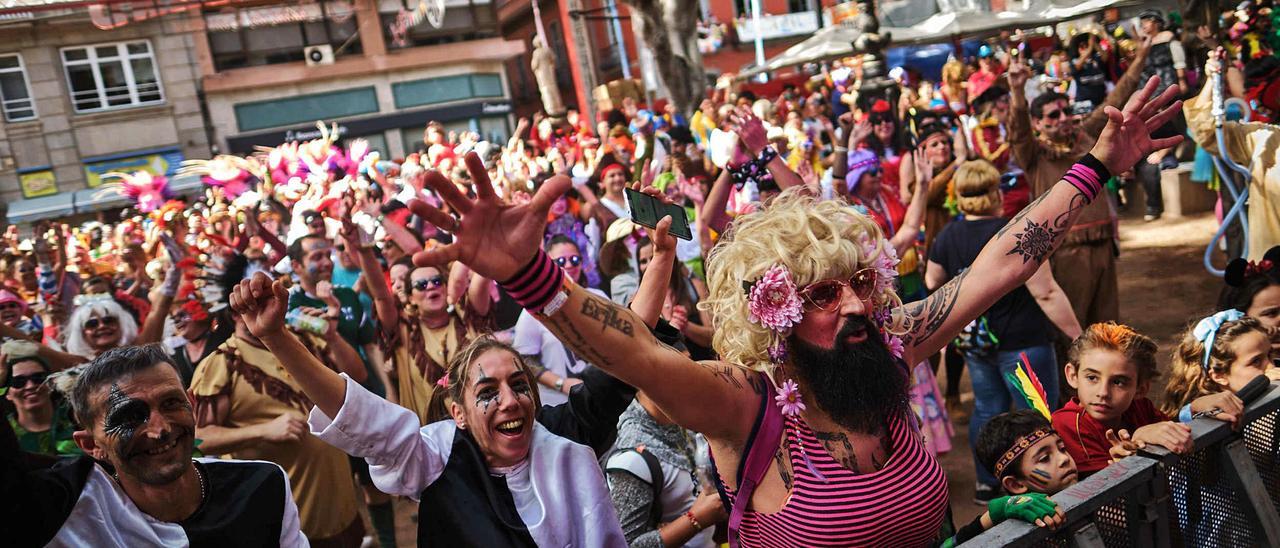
(1226, 166)
(1237, 210)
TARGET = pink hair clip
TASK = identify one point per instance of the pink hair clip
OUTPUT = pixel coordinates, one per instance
(443, 382)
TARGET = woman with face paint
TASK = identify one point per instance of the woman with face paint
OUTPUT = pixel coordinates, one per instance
(501, 470)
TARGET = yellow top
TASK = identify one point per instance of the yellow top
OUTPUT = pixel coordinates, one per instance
(261, 390)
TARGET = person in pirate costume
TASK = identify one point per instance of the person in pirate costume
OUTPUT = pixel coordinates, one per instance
(248, 406)
(137, 484)
(808, 403)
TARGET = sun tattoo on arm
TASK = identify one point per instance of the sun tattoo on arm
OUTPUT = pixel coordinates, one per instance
(1035, 242)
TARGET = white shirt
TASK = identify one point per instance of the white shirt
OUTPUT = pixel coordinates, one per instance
(534, 339)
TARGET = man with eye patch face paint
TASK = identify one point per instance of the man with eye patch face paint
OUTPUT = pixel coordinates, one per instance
(137, 484)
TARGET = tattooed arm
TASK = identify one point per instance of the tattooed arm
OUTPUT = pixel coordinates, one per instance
(715, 398)
(1018, 250)
(502, 242)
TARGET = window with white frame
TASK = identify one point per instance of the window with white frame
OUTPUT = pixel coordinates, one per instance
(15, 94)
(111, 76)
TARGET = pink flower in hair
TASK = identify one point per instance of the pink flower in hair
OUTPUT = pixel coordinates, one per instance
(773, 301)
(893, 343)
(789, 399)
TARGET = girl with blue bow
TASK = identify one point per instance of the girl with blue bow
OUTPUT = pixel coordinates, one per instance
(1217, 357)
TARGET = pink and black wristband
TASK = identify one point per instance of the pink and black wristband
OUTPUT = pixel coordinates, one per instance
(536, 284)
(1088, 175)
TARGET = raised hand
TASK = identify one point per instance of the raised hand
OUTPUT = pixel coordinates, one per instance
(860, 132)
(750, 130)
(495, 239)
(1018, 75)
(261, 304)
(324, 290)
(1127, 137)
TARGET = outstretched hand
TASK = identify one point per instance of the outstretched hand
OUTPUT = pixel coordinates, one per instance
(494, 239)
(1127, 137)
(750, 130)
(261, 304)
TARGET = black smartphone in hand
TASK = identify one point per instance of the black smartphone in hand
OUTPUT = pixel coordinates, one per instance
(647, 211)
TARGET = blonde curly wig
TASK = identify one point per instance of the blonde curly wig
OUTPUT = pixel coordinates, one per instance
(813, 239)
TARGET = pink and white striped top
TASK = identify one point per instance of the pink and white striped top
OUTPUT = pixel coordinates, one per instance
(902, 505)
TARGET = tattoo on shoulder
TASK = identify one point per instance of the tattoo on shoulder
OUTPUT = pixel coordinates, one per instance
(784, 466)
(731, 376)
(840, 448)
(926, 317)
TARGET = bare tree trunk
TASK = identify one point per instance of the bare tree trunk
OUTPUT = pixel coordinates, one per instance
(670, 29)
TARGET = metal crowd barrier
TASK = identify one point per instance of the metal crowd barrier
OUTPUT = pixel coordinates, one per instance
(1224, 493)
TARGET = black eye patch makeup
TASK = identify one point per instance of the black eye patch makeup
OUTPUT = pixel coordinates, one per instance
(124, 415)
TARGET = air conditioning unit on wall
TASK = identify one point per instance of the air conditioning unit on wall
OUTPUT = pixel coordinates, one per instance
(318, 55)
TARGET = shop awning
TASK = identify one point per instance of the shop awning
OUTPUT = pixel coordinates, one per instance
(186, 184)
(47, 207)
(88, 200)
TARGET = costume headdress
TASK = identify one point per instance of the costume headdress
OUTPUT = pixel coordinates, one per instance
(1027, 384)
(148, 192)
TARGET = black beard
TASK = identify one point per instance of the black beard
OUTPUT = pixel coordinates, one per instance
(859, 385)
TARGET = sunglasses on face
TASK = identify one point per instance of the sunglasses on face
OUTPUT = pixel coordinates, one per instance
(825, 295)
(94, 323)
(422, 285)
(1053, 115)
(180, 317)
(573, 260)
(21, 381)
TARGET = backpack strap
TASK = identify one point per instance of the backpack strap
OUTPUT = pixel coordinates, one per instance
(628, 460)
(759, 453)
(657, 481)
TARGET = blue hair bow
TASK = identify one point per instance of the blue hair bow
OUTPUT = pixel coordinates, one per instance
(1207, 329)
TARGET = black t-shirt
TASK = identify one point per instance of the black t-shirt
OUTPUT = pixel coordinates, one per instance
(1091, 82)
(1015, 319)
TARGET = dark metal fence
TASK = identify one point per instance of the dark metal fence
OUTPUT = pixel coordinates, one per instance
(1224, 493)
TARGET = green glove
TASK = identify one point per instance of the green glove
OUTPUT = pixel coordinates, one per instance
(1027, 507)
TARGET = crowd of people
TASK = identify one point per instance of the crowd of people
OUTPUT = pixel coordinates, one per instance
(484, 327)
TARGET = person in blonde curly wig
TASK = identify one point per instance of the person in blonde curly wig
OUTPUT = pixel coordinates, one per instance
(814, 240)
(800, 269)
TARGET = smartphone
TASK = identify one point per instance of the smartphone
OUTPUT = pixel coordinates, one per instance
(647, 211)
